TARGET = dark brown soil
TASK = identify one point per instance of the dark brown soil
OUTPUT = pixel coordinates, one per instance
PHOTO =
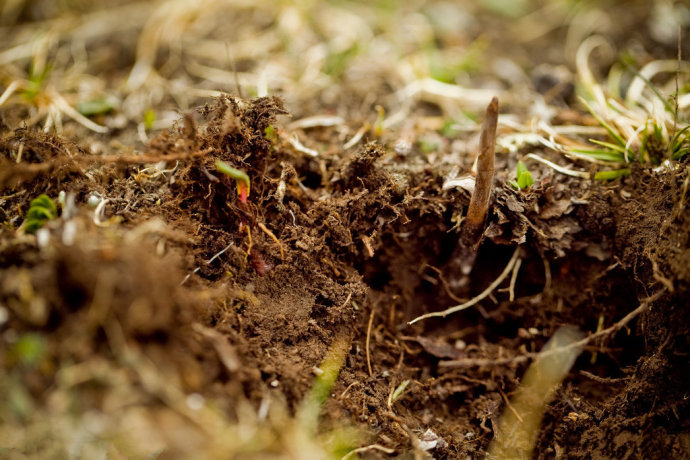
(116, 321)
(360, 240)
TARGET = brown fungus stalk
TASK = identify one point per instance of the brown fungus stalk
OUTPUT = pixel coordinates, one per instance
(473, 226)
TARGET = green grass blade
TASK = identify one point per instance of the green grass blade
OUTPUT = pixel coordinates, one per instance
(681, 153)
(608, 145)
(610, 175)
(612, 132)
(603, 155)
(650, 85)
(677, 142)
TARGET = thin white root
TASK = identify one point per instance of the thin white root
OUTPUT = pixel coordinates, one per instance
(297, 145)
(361, 450)
(555, 167)
(357, 137)
(513, 279)
(11, 88)
(317, 121)
(65, 108)
(480, 297)
(484, 362)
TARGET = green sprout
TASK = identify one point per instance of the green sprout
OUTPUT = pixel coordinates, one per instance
(614, 174)
(337, 61)
(97, 106)
(680, 144)
(380, 118)
(149, 119)
(30, 349)
(41, 210)
(428, 144)
(449, 129)
(523, 178)
(270, 133)
(399, 390)
(339, 441)
(35, 83)
(241, 179)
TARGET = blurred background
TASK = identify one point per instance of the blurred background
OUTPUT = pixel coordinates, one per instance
(123, 65)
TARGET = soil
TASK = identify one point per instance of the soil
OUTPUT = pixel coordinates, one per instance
(176, 286)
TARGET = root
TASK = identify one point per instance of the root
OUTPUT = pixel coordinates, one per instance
(274, 238)
(481, 362)
(480, 297)
(368, 341)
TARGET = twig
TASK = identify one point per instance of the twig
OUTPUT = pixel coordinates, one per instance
(11, 88)
(481, 362)
(444, 283)
(226, 352)
(361, 450)
(510, 406)
(274, 238)
(250, 243)
(513, 279)
(357, 137)
(480, 297)
(604, 380)
(316, 121)
(371, 321)
(14, 172)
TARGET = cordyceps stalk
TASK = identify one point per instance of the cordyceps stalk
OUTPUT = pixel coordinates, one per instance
(473, 225)
(479, 204)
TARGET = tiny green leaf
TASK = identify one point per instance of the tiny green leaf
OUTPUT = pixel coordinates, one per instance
(44, 201)
(41, 210)
(149, 118)
(610, 175)
(97, 106)
(399, 390)
(523, 178)
(241, 179)
(30, 349)
(270, 133)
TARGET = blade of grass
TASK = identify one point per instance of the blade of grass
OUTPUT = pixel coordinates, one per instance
(676, 143)
(610, 175)
(308, 413)
(608, 145)
(650, 85)
(604, 155)
(681, 153)
(612, 132)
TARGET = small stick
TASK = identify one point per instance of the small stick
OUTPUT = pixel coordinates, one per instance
(513, 279)
(371, 321)
(249, 247)
(479, 203)
(274, 238)
(482, 362)
(15, 172)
